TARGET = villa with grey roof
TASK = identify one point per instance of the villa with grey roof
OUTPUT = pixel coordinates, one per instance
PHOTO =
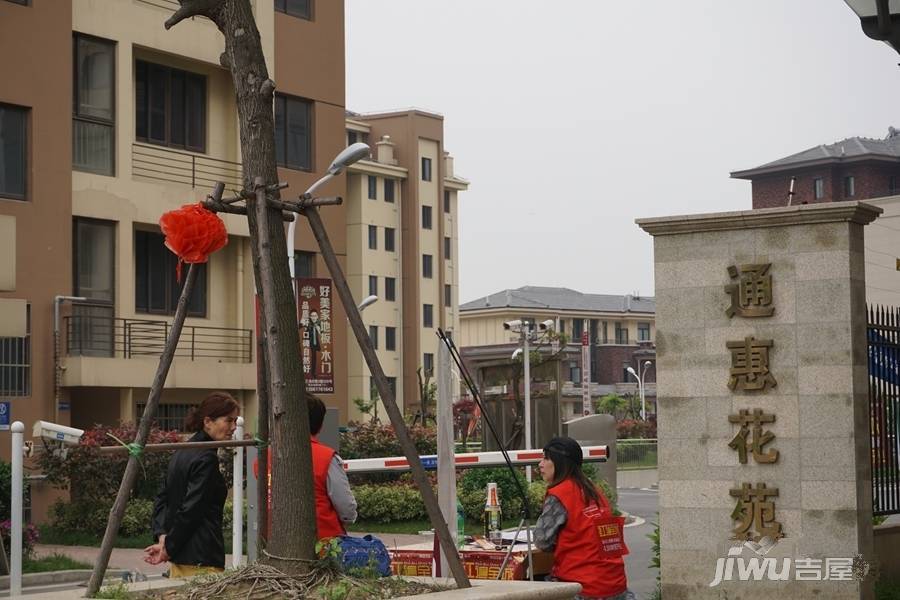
(619, 331)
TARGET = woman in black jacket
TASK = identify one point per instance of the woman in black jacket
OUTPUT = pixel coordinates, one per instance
(187, 514)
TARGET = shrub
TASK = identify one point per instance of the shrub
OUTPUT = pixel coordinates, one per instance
(95, 477)
(138, 514)
(88, 517)
(30, 537)
(473, 484)
(386, 503)
(375, 440)
(634, 428)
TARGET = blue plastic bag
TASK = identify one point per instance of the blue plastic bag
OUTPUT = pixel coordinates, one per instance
(360, 553)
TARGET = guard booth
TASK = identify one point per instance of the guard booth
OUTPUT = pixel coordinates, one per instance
(503, 395)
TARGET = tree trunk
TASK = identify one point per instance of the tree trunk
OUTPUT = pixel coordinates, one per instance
(293, 535)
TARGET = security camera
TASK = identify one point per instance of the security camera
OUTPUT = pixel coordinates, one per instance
(514, 325)
(548, 325)
(52, 432)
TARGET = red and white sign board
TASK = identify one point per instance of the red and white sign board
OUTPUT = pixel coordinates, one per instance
(586, 407)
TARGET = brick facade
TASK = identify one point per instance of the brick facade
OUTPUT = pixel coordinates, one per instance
(871, 180)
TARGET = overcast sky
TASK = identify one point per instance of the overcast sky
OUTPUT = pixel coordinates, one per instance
(574, 117)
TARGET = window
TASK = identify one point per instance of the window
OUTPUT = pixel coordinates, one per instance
(621, 333)
(426, 169)
(849, 187)
(373, 335)
(91, 328)
(13, 148)
(426, 266)
(93, 111)
(373, 187)
(428, 364)
(892, 185)
(15, 362)
(357, 136)
(448, 295)
(427, 315)
(390, 289)
(373, 237)
(392, 383)
(562, 326)
(155, 288)
(605, 333)
(447, 244)
(388, 190)
(22, 2)
(818, 188)
(426, 217)
(373, 285)
(170, 417)
(577, 330)
(625, 372)
(305, 264)
(574, 372)
(170, 107)
(293, 132)
(390, 338)
(389, 239)
(643, 332)
(447, 201)
(295, 8)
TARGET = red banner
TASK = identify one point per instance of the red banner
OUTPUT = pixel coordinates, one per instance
(316, 347)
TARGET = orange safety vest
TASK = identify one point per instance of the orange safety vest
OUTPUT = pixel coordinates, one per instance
(328, 524)
(578, 556)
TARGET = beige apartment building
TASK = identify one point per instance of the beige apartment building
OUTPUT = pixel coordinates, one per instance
(402, 245)
(107, 121)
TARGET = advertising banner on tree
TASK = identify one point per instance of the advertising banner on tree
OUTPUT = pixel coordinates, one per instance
(316, 348)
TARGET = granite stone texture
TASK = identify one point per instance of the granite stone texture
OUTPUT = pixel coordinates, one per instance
(819, 361)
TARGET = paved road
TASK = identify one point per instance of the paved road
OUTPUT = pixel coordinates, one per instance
(644, 504)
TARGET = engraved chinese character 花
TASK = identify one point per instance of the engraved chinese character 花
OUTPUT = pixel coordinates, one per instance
(759, 438)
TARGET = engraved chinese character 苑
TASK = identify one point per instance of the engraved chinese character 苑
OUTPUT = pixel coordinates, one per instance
(755, 511)
(751, 295)
(758, 439)
(750, 364)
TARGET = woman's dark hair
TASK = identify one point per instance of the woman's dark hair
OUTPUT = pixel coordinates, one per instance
(217, 404)
(316, 413)
(566, 456)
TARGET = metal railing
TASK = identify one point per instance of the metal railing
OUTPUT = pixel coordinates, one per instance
(883, 336)
(196, 170)
(636, 454)
(128, 338)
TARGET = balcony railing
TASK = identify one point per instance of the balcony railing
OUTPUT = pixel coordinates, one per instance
(164, 164)
(128, 338)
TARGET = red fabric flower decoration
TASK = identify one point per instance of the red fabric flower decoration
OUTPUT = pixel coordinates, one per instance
(193, 233)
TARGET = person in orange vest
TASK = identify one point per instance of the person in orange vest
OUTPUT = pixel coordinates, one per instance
(335, 504)
(578, 526)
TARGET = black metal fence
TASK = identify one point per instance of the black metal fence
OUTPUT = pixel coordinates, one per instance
(88, 335)
(883, 336)
(195, 170)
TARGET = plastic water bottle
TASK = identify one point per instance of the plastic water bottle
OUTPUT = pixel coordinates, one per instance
(460, 525)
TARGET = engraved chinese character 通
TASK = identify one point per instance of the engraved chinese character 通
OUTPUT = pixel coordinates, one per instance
(751, 295)
(751, 427)
(755, 511)
(750, 364)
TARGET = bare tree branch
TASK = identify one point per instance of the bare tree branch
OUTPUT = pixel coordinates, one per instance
(195, 8)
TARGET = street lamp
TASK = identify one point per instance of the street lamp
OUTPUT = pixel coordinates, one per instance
(367, 302)
(640, 380)
(877, 18)
(347, 157)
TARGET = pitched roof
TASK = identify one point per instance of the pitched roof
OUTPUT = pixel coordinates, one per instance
(556, 298)
(850, 149)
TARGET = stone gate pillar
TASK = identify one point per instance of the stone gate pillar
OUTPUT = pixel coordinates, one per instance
(762, 402)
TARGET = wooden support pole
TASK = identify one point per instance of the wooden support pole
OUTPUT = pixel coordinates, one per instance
(387, 396)
(132, 468)
(304, 203)
(169, 446)
(236, 210)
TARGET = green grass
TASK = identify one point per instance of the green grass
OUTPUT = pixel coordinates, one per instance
(647, 461)
(54, 562)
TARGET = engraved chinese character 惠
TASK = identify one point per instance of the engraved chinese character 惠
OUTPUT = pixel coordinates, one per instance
(755, 510)
(751, 295)
(750, 364)
(758, 439)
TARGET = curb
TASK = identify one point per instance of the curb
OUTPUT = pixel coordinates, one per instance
(54, 577)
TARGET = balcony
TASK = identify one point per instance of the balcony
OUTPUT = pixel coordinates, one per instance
(176, 166)
(114, 352)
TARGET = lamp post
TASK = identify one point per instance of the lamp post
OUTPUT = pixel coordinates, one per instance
(347, 157)
(640, 380)
(880, 19)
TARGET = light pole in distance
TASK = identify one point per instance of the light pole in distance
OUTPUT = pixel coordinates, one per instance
(640, 380)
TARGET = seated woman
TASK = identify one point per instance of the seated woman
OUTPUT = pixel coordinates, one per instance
(573, 515)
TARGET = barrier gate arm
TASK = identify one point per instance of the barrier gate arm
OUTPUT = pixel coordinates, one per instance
(467, 460)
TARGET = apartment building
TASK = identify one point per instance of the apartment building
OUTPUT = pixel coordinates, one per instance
(620, 332)
(107, 121)
(856, 168)
(402, 244)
